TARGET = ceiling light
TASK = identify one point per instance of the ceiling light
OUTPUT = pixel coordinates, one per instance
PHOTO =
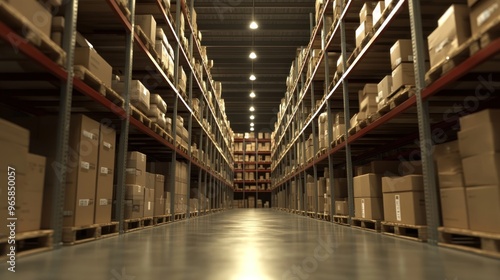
(252, 109)
(252, 124)
(251, 128)
(252, 94)
(252, 117)
(252, 77)
(253, 55)
(254, 25)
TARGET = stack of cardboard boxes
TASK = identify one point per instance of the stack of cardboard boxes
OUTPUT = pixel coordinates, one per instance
(340, 196)
(165, 50)
(479, 145)
(139, 94)
(157, 110)
(403, 73)
(404, 200)
(105, 175)
(378, 11)
(366, 22)
(367, 101)
(321, 191)
(482, 14)
(24, 175)
(451, 185)
(181, 190)
(136, 191)
(182, 133)
(310, 189)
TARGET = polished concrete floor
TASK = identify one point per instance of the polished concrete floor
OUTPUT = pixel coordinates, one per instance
(253, 244)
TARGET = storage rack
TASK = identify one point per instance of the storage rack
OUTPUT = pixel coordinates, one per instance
(110, 27)
(409, 128)
(240, 193)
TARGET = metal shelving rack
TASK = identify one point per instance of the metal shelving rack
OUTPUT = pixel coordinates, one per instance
(214, 177)
(382, 138)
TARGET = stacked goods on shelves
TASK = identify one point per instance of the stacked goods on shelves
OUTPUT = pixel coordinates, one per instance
(404, 201)
(454, 29)
(339, 192)
(451, 185)
(310, 189)
(322, 192)
(182, 81)
(157, 111)
(193, 205)
(384, 89)
(165, 51)
(105, 175)
(366, 22)
(25, 172)
(181, 182)
(147, 24)
(158, 181)
(323, 130)
(310, 145)
(378, 11)
(139, 95)
(251, 202)
(87, 56)
(403, 73)
(339, 126)
(182, 133)
(136, 190)
(367, 187)
(318, 8)
(482, 14)
(149, 195)
(479, 146)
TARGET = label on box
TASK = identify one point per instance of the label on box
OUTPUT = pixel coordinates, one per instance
(149, 205)
(67, 213)
(104, 170)
(398, 208)
(84, 202)
(107, 145)
(103, 202)
(85, 165)
(139, 188)
(89, 135)
(484, 16)
(362, 208)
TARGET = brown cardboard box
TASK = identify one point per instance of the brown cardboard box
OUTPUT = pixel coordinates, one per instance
(34, 12)
(405, 207)
(341, 208)
(482, 14)
(401, 51)
(105, 174)
(489, 141)
(148, 25)
(451, 164)
(139, 94)
(366, 11)
(150, 180)
(483, 207)
(134, 192)
(159, 195)
(407, 167)
(384, 89)
(454, 208)
(90, 59)
(135, 177)
(403, 75)
(386, 168)
(368, 185)
(81, 180)
(134, 209)
(368, 104)
(402, 184)
(363, 30)
(445, 149)
(29, 198)
(368, 208)
(452, 31)
(489, 116)
(451, 180)
(149, 202)
(378, 11)
(482, 170)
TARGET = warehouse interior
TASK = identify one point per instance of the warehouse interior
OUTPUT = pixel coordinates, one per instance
(249, 139)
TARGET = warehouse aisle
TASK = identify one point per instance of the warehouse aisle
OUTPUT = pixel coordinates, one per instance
(253, 244)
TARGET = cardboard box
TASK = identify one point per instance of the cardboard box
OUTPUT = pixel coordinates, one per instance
(401, 51)
(156, 99)
(481, 170)
(483, 208)
(402, 184)
(403, 75)
(445, 149)
(149, 202)
(482, 14)
(35, 13)
(386, 168)
(484, 137)
(150, 180)
(405, 208)
(148, 25)
(451, 180)
(384, 89)
(134, 192)
(105, 175)
(341, 208)
(368, 208)
(368, 104)
(81, 180)
(362, 31)
(368, 185)
(29, 198)
(366, 11)
(453, 30)
(454, 208)
(451, 164)
(136, 160)
(489, 116)
(139, 94)
(377, 12)
(134, 209)
(90, 59)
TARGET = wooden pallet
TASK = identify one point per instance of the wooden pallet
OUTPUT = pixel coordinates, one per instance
(411, 232)
(397, 98)
(341, 220)
(486, 244)
(366, 224)
(109, 229)
(140, 116)
(159, 130)
(489, 33)
(31, 34)
(321, 152)
(150, 46)
(132, 224)
(124, 8)
(28, 243)
(81, 234)
(147, 222)
(91, 80)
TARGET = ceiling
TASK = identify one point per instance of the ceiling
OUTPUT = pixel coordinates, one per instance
(283, 27)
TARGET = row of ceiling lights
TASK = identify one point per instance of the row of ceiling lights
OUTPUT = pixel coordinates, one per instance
(252, 56)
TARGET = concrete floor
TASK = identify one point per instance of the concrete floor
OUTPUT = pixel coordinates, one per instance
(253, 244)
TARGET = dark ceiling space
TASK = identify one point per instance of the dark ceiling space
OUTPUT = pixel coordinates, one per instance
(283, 26)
